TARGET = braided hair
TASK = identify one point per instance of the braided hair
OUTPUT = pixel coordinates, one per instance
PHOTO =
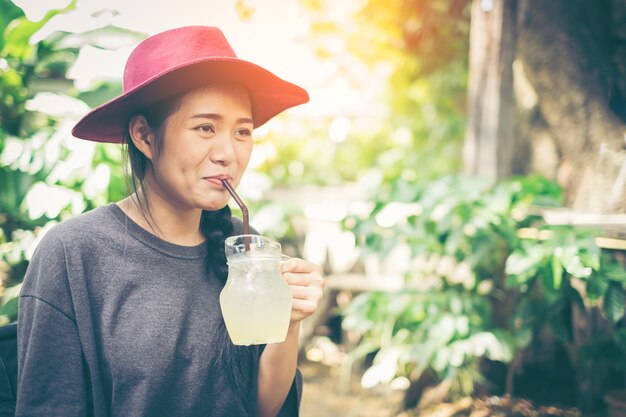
(216, 226)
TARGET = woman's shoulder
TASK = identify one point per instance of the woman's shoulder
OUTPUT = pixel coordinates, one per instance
(80, 227)
(77, 236)
(50, 251)
(85, 221)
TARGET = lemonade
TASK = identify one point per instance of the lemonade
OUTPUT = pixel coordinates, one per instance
(256, 301)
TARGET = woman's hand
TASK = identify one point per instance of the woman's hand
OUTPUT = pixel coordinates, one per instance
(306, 280)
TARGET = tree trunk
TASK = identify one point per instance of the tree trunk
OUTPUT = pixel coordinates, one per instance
(489, 140)
(566, 57)
(571, 54)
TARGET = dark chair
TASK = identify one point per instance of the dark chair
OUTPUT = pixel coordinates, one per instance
(8, 369)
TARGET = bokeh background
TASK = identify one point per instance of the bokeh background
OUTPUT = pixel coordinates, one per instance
(460, 173)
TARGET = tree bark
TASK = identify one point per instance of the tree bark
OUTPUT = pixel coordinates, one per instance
(489, 146)
(563, 48)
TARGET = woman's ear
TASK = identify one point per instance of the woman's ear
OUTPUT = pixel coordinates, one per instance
(142, 135)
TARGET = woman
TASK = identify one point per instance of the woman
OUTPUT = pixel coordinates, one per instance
(119, 310)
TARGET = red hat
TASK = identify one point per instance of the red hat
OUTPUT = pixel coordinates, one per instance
(179, 60)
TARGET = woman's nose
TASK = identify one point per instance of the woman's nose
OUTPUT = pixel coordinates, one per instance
(223, 151)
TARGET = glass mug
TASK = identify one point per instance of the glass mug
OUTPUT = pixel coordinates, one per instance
(256, 301)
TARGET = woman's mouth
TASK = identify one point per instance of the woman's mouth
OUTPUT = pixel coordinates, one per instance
(217, 181)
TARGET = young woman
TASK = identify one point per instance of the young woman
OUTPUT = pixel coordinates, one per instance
(119, 310)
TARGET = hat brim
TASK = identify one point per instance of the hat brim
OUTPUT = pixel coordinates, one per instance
(269, 95)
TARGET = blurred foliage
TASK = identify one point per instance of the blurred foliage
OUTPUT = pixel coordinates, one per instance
(485, 275)
(419, 48)
(426, 43)
(46, 174)
(422, 47)
(412, 332)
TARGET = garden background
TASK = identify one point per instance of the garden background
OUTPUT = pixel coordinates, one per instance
(460, 172)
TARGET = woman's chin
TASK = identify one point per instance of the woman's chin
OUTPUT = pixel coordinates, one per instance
(212, 200)
(214, 204)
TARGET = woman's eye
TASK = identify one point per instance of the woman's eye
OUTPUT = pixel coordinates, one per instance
(244, 132)
(206, 128)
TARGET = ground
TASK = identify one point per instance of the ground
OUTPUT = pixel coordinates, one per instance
(323, 396)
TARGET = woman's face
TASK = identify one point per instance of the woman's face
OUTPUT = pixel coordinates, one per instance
(208, 137)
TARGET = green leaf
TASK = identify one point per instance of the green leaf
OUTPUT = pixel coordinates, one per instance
(19, 31)
(557, 273)
(8, 12)
(614, 272)
(523, 265)
(596, 287)
(17, 36)
(550, 292)
(539, 191)
(590, 256)
(441, 359)
(10, 308)
(614, 302)
(496, 345)
(10, 301)
(523, 337)
(571, 260)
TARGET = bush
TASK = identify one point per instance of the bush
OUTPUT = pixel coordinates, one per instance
(486, 275)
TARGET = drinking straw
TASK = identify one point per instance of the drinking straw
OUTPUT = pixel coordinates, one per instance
(244, 211)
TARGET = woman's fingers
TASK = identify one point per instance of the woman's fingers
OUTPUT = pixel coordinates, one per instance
(303, 279)
(303, 308)
(297, 265)
(306, 293)
(306, 281)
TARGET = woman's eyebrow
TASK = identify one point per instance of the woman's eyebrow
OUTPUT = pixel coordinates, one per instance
(215, 116)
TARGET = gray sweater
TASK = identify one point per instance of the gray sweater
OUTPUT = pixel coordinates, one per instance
(116, 322)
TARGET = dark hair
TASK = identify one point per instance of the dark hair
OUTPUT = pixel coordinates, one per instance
(216, 226)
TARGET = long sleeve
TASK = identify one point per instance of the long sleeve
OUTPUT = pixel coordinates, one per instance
(52, 377)
(51, 371)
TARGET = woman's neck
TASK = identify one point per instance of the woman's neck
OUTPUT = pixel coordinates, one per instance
(181, 227)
